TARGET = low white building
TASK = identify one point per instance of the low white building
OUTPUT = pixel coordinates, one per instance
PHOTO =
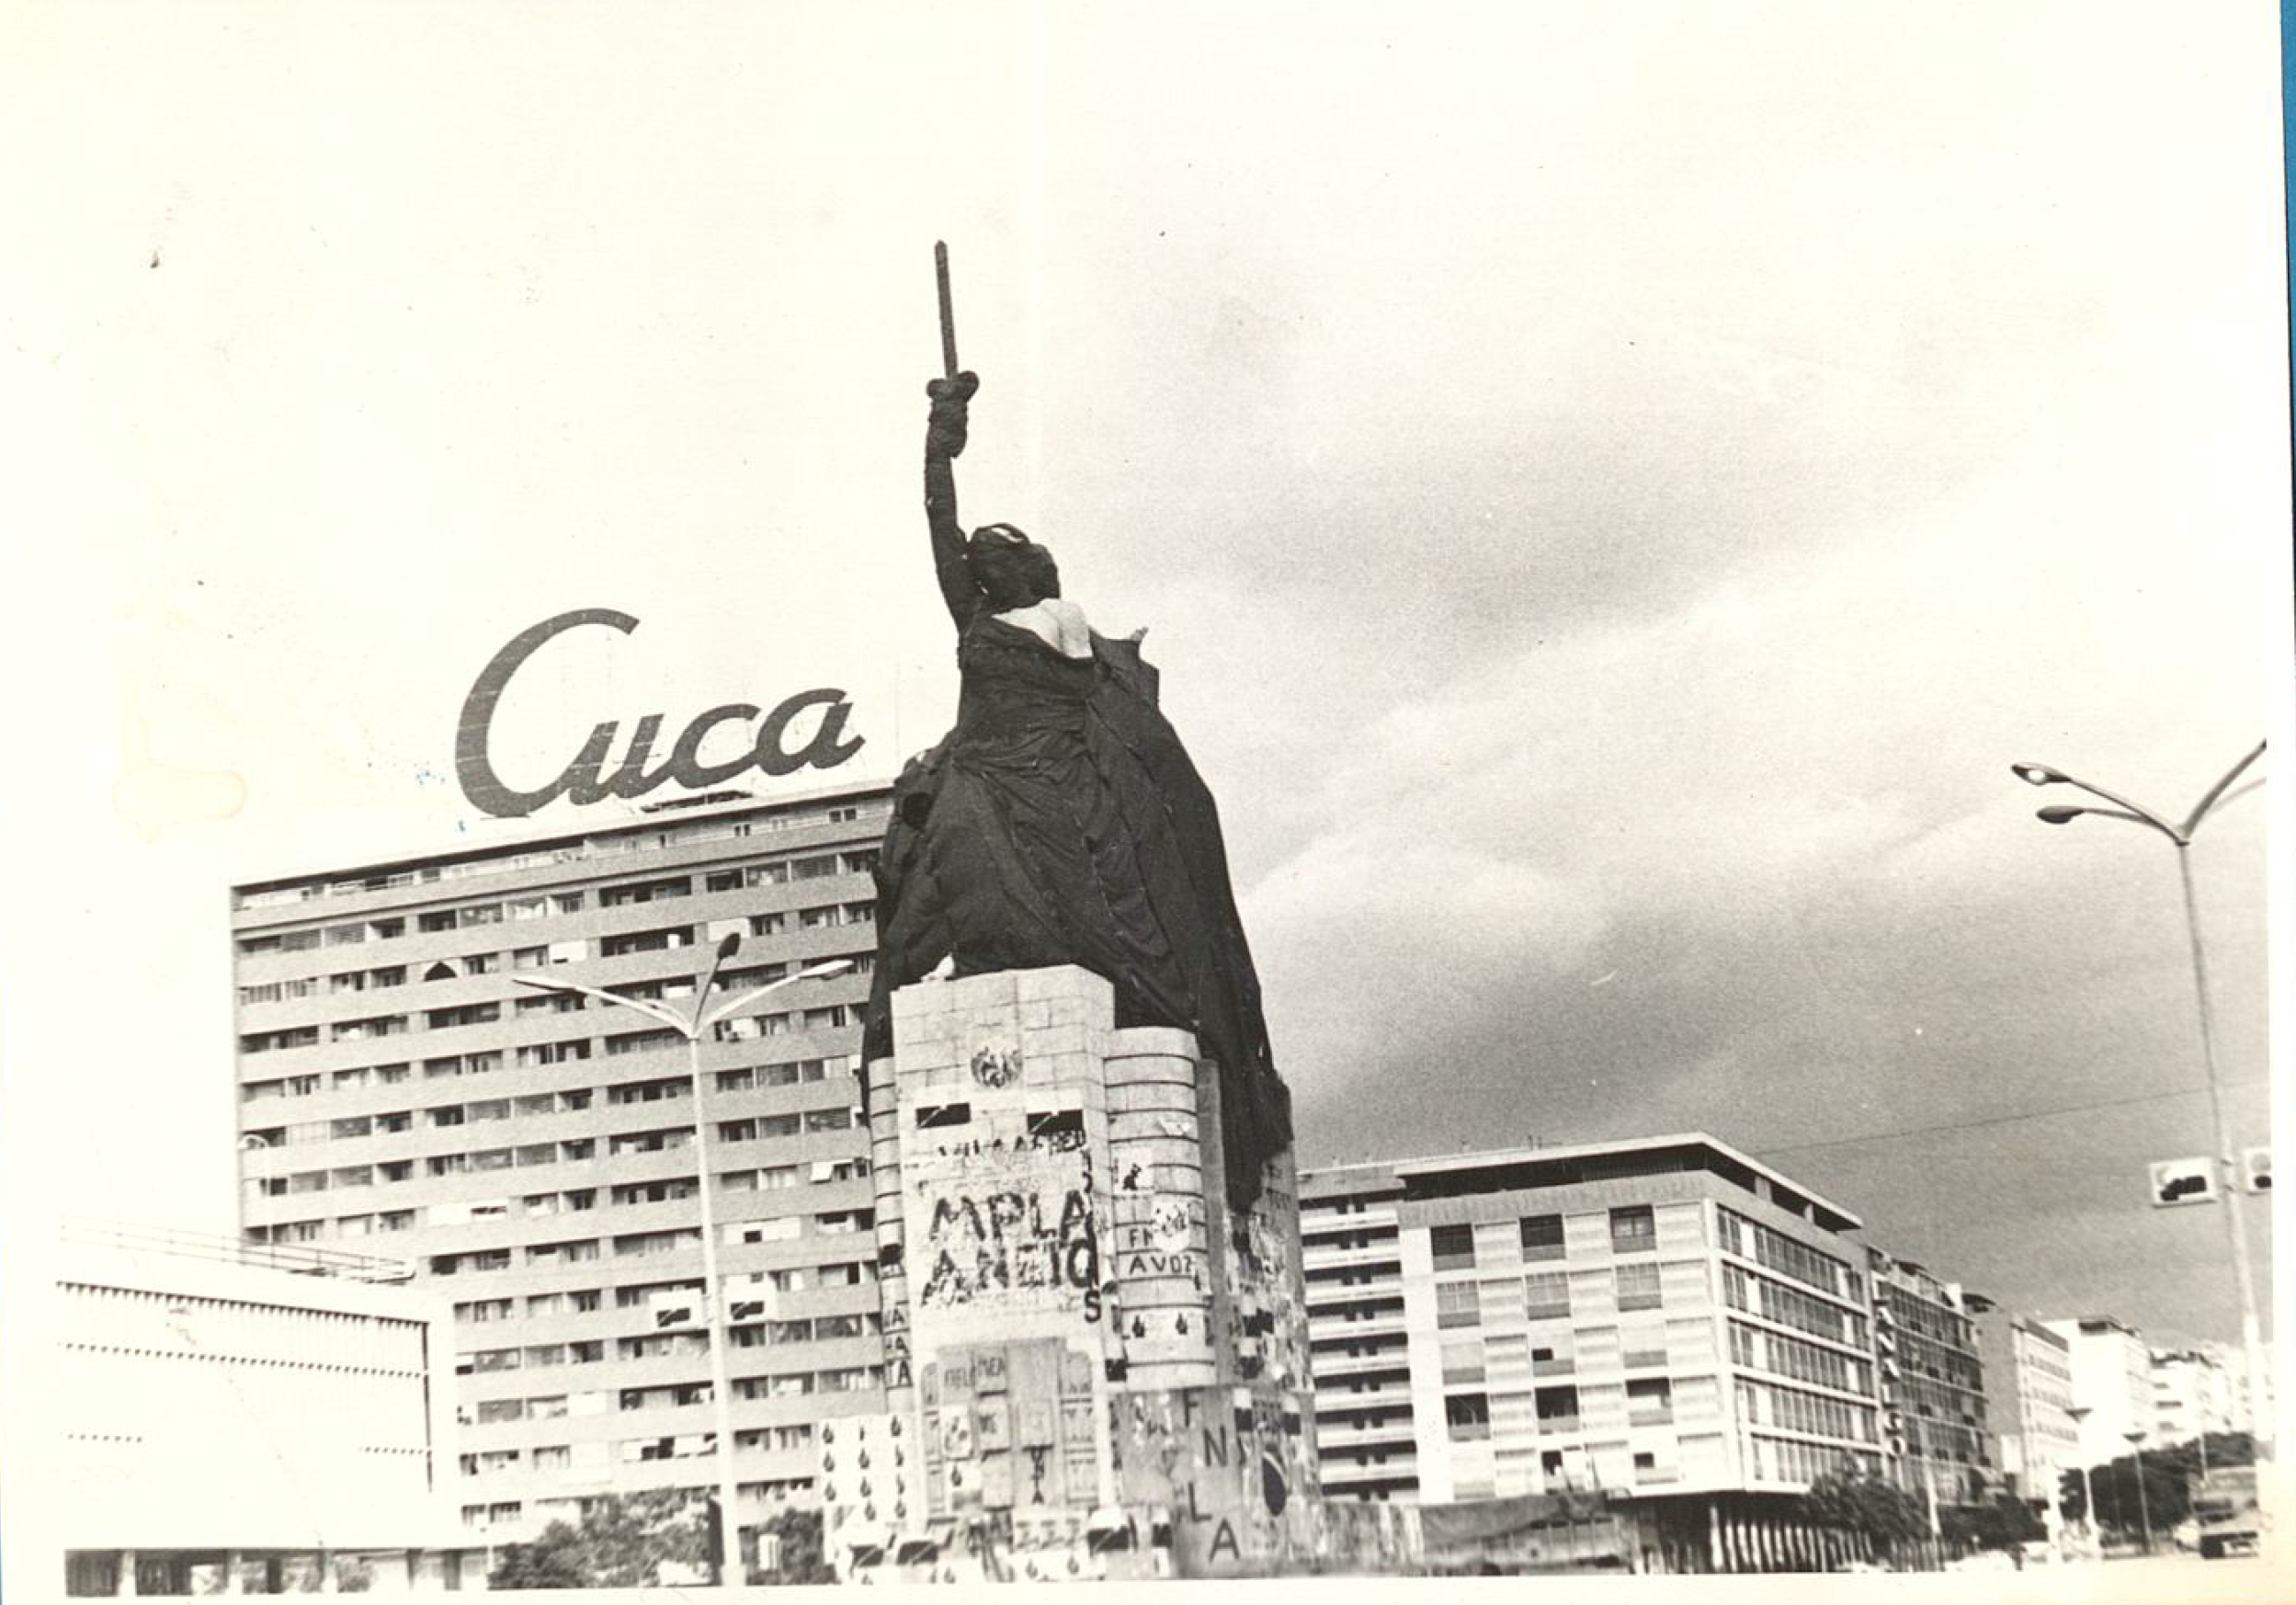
(237, 1418)
(2112, 1385)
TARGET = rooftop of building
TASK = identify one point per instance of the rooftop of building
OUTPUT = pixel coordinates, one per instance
(613, 833)
(2092, 1326)
(1570, 1164)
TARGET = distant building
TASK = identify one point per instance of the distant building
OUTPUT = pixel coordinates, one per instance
(1663, 1321)
(1933, 1382)
(249, 1421)
(2113, 1384)
(2195, 1389)
(2029, 1394)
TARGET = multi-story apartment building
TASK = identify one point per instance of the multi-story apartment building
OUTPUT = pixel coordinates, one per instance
(532, 1154)
(1933, 1382)
(2195, 1389)
(2113, 1384)
(1360, 1347)
(1665, 1320)
(2029, 1398)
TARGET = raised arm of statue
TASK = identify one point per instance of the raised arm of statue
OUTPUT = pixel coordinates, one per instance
(944, 442)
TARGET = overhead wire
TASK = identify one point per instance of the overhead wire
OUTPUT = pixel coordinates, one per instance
(2039, 1114)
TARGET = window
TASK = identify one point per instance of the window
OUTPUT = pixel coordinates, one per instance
(1649, 1401)
(1557, 1408)
(1462, 1362)
(647, 942)
(1638, 1286)
(1457, 1305)
(828, 1120)
(1542, 1236)
(1453, 1246)
(645, 892)
(1467, 1417)
(1634, 1230)
(1546, 1293)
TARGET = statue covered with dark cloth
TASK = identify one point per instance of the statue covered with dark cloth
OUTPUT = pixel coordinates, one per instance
(1061, 823)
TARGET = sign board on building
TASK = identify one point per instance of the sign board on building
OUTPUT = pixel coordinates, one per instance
(585, 780)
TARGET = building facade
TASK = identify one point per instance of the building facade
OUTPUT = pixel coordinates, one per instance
(1932, 1384)
(1665, 1321)
(2113, 1384)
(2028, 1399)
(246, 1421)
(2195, 1389)
(533, 1155)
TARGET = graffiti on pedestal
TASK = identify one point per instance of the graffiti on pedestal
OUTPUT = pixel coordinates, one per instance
(1168, 1242)
(985, 1244)
(1228, 1463)
(1009, 1226)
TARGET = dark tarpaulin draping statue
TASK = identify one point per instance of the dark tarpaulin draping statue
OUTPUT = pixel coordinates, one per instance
(1061, 823)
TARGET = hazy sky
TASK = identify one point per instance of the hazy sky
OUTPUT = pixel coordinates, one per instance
(1611, 489)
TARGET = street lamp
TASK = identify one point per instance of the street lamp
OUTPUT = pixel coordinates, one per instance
(2180, 836)
(704, 1018)
(2144, 1509)
(2081, 1413)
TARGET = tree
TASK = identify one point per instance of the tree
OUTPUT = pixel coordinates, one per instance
(625, 1541)
(2009, 1523)
(802, 1559)
(552, 1560)
(2170, 1473)
(1855, 1502)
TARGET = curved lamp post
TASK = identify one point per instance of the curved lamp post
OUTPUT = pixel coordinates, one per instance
(705, 1017)
(2088, 1488)
(2145, 1509)
(2180, 836)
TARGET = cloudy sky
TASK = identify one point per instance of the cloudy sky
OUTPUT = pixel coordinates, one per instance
(1611, 489)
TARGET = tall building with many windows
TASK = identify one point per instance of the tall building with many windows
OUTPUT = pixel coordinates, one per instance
(1665, 1320)
(532, 1154)
(1933, 1382)
(2029, 1400)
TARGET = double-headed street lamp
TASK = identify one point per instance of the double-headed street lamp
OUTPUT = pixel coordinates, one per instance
(706, 1017)
(2180, 836)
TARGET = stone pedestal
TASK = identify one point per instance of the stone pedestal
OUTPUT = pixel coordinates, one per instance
(1094, 1367)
